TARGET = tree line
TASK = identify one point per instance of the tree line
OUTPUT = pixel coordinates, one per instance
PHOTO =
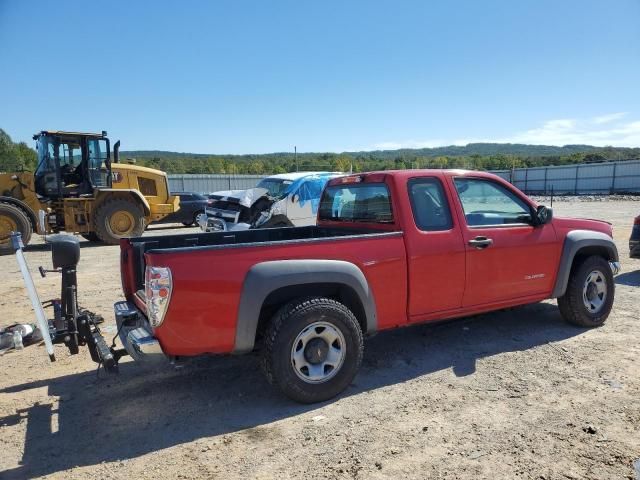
(478, 156)
(15, 157)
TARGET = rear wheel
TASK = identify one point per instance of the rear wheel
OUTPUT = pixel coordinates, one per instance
(119, 218)
(588, 299)
(13, 219)
(92, 237)
(313, 349)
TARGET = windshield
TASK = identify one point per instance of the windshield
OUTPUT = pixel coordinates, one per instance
(277, 187)
(356, 203)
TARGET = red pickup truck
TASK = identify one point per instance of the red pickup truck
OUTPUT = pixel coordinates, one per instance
(390, 249)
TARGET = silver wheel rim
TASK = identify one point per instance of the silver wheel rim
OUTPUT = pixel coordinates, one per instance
(594, 291)
(309, 359)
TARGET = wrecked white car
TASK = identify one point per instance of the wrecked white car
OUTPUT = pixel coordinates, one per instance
(284, 200)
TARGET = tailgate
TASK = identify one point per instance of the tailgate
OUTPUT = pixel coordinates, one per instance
(132, 267)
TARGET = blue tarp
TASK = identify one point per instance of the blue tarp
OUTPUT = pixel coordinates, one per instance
(310, 188)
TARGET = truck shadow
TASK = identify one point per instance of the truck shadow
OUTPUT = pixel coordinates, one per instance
(144, 410)
(46, 247)
(631, 279)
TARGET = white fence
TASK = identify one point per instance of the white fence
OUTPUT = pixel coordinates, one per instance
(208, 183)
(581, 179)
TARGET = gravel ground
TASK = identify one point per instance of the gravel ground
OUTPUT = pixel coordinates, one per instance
(512, 394)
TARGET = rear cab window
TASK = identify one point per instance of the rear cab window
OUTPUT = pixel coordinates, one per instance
(429, 204)
(487, 203)
(356, 202)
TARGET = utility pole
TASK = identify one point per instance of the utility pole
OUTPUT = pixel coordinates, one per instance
(295, 153)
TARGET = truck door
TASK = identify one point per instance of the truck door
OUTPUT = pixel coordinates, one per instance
(506, 256)
(436, 251)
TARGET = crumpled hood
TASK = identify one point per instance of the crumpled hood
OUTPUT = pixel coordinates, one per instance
(568, 223)
(246, 198)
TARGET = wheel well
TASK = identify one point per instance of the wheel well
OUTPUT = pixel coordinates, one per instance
(336, 291)
(108, 196)
(589, 251)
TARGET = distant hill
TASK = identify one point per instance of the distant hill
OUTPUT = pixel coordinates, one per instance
(518, 149)
(483, 156)
(480, 156)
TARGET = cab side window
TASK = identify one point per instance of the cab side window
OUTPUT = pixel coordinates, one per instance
(488, 203)
(429, 204)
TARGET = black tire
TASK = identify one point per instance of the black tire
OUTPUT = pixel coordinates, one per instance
(92, 237)
(193, 221)
(134, 222)
(287, 325)
(13, 218)
(573, 306)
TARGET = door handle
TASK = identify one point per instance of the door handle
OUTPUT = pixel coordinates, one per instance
(481, 242)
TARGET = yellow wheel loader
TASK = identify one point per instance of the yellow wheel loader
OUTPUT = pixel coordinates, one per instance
(78, 187)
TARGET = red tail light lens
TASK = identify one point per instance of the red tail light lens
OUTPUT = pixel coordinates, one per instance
(157, 289)
(636, 221)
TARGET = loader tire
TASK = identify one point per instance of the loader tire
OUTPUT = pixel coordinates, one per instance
(119, 218)
(13, 219)
(92, 237)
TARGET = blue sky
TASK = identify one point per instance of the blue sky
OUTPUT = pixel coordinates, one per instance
(263, 76)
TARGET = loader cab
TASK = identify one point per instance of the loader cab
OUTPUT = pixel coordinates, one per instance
(72, 164)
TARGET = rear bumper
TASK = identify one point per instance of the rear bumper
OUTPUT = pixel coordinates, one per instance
(136, 335)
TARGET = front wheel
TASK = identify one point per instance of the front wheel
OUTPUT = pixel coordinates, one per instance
(13, 219)
(313, 349)
(119, 218)
(588, 299)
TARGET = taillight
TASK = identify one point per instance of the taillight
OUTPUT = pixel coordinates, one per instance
(636, 221)
(157, 289)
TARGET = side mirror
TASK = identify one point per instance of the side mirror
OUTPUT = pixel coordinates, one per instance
(294, 198)
(543, 215)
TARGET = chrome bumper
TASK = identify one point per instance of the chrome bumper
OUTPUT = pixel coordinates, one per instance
(135, 333)
(615, 267)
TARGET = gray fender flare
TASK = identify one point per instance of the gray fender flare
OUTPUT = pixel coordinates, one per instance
(267, 277)
(573, 243)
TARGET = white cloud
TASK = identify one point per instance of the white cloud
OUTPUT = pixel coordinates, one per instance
(598, 131)
(608, 118)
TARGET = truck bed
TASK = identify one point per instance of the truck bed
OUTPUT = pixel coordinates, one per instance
(208, 272)
(227, 240)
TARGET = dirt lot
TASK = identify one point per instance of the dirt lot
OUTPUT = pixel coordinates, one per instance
(514, 394)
